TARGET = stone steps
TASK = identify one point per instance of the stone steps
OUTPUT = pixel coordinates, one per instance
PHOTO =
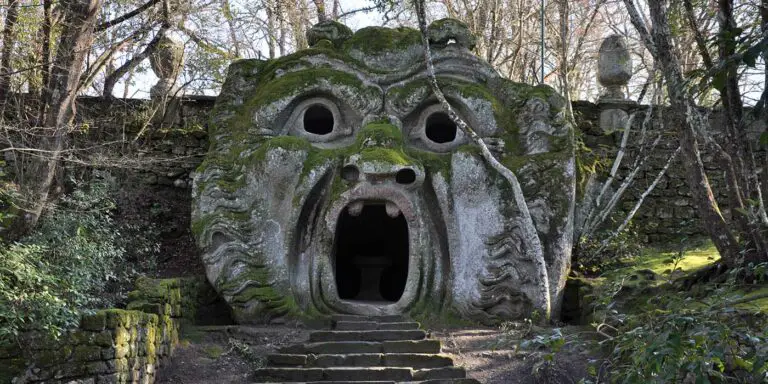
(358, 349)
(415, 360)
(336, 347)
(374, 326)
(387, 335)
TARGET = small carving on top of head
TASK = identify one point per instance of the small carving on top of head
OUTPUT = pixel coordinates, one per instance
(333, 31)
(451, 31)
(614, 66)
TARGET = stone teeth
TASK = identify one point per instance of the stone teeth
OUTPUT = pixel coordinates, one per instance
(355, 208)
(392, 209)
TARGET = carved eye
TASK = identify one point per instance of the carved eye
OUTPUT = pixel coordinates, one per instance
(319, 120)
(434, 130)
(440, 128)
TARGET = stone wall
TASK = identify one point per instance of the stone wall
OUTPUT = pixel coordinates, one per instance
(130, 137)
(111, 345)
(668, 211)
(172, 146)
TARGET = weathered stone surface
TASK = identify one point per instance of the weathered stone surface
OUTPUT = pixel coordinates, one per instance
(314, 154)
(320, 336)
(614, 66)
(443, 32)
(330, 30)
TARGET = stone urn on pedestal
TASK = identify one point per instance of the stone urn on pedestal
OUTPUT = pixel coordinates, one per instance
(614, 69)
(166, 62)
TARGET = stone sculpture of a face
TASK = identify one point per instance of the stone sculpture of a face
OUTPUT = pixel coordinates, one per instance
(335, 183)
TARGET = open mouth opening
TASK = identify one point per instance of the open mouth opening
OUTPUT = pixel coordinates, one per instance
(371, 252)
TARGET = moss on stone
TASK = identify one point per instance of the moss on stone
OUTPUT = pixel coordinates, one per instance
(288, 143)
(86, 353)
(93, 322)
(384, 156)
(10, 368)
(373, 40)
(291, 83)
(202, 222)
(432, 162)
(381, 134)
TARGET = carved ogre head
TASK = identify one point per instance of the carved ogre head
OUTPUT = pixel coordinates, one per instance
(335, 183)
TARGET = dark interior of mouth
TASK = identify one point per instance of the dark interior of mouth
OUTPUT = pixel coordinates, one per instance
(371, 255)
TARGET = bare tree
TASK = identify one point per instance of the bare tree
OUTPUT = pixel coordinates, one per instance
(79, 22)
(691, 127)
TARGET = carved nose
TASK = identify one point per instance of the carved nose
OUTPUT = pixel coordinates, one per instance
(350, 172)
(407, 175)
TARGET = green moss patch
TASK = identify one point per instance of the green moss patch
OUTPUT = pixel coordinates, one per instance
(373, 40)
(662, 260)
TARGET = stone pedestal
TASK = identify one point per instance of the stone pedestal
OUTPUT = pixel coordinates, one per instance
(614, 69)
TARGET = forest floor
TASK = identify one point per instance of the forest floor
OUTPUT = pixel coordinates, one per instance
(516, 352)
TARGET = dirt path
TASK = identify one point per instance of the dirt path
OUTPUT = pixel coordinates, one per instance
(492, 356)
(225, 354)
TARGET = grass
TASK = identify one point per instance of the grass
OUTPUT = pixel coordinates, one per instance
(759, 305)
(213, 351)
(668, 264)
(662, 259)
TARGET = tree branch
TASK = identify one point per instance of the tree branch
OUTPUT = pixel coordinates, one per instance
(127, 16)
(114, 77)
(533, 246)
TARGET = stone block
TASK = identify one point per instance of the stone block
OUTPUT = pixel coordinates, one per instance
(97, 367)
(108, 353)
(94, 322)
(50, 358)
(103, 339)
(112, 378)
(84, 353)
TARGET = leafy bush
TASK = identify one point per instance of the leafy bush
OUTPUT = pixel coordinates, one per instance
(76, 260)
(593, 256)
(670, 336)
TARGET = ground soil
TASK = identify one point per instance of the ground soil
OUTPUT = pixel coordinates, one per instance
(216, 355)
(225, 354)
(493, 356)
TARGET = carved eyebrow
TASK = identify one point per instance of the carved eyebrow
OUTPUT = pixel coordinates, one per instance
(277, 96)
(404, 98)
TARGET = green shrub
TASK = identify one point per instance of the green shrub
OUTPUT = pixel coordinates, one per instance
(76, 260)
(593, 256)
(669, 335)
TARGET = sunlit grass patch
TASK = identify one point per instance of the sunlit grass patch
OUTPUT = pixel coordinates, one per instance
(664, 260)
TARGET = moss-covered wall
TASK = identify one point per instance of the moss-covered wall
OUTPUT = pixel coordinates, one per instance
(176, 147)
(111, 345)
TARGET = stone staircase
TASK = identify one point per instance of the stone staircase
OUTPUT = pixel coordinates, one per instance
(370, 350)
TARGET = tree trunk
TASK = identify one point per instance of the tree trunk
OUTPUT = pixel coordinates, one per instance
(46, 44)
(686, 118)
(11, 17)
(59, 97)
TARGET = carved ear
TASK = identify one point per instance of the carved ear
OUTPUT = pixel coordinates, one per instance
(450, 31)
(333, 31)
